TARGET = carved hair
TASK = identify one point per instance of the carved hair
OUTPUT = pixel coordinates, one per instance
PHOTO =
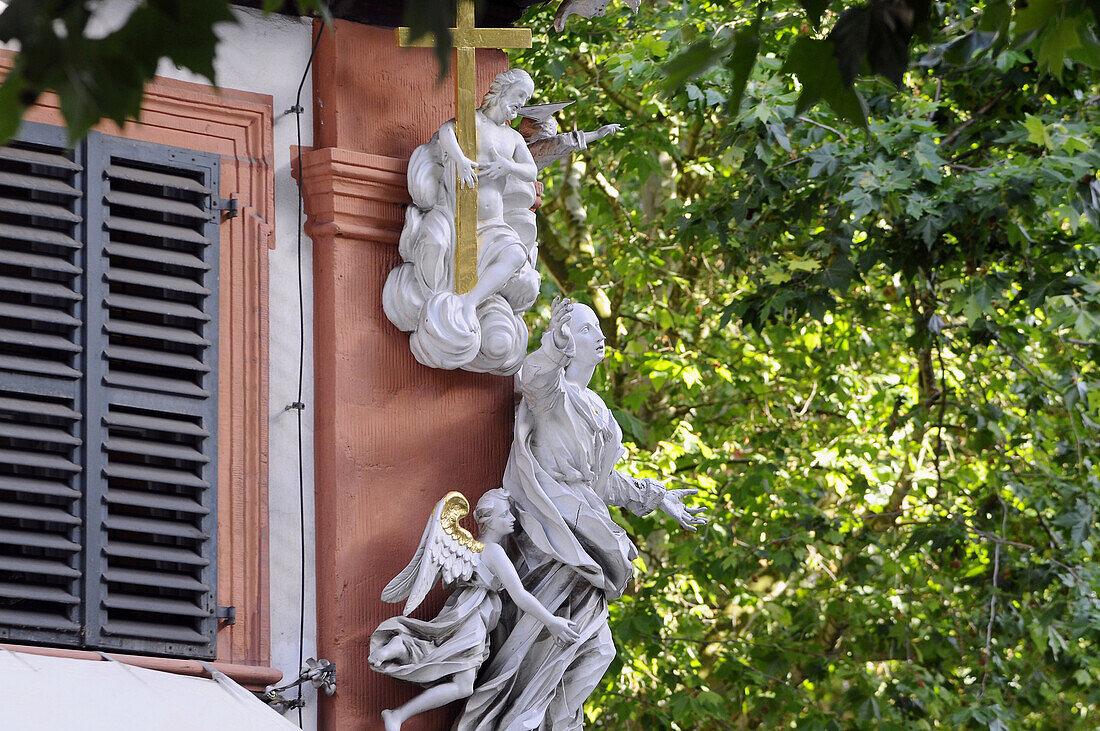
(493, 503)
(504, 80)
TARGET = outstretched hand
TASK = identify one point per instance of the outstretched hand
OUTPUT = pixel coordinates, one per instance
(561, 314)
(672, 504)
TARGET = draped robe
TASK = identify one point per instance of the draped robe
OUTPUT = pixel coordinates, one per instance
(572, 556)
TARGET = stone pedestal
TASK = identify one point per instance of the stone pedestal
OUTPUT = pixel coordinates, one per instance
(392, 436)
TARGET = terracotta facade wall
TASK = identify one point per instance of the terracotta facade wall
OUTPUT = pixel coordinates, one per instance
(392, 436)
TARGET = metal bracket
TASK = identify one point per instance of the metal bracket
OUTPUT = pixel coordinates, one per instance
(320, 674)
(227, 614)
(228, 207)
(295, 406)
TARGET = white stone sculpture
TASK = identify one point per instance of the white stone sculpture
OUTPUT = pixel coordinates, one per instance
(483, 329)
(586, 9)
(445, 653)
(547, 145)
(572, 556)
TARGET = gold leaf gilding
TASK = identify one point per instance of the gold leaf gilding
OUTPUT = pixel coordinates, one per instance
(455, 508)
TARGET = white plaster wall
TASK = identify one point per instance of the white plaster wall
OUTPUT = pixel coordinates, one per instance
(268, 55)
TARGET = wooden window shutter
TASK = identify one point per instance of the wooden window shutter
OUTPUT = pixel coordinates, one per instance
(108, 394)
(41, 364)
(151, 561)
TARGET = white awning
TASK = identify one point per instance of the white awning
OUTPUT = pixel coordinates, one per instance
(43, 693)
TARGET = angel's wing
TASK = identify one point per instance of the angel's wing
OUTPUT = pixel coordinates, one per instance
(542, 112)
(446, 549)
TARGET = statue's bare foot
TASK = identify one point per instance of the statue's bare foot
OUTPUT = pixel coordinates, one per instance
(391, 721)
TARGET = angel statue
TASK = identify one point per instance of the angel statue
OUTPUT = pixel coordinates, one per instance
(572, 556)
(445, 653)
(481, 330)
(546, 144)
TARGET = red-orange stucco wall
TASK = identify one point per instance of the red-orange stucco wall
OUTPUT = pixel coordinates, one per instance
(392, 436)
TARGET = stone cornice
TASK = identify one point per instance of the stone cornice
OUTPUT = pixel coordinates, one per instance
(353, 195)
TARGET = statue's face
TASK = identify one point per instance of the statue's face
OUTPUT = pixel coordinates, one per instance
(512, 98)
(587, 335)
(502, 520)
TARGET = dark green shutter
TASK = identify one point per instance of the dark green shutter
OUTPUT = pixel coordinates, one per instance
(41, 362)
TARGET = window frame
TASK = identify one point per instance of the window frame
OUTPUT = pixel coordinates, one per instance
(237, 126)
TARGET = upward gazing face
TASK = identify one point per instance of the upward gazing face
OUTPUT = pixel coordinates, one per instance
(587, 336)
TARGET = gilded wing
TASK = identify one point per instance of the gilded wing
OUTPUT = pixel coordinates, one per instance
(446, 550)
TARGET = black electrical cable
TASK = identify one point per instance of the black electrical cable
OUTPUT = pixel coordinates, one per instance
(299, 407)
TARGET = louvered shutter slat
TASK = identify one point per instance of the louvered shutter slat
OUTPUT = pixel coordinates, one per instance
(167, 450)
(38, 157)
(37, 620)
(182, 234)
(160, 256)
(171, 334)
(156, 501)
(42, 460)
(38, 183)
(154, 357)
(159, 553)
(31, 539)
(46, 289)
(35, 365)
(37, 314)
(26, 485)
(157, 475)
(158, 307)
(43, 408)
(37, 433)
(155, 605)
(38, 340)
(39, 210)
(156, 578)
(41, 513)
(154, 423)
(170, 206)
(37, 593)
(157, 179)
(155, 383)
(34, 261)
(29, 234)
(157, 281)
(37, 566)
(153, 631)
(152, 527)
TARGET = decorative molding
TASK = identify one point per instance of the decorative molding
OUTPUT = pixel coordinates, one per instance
(236, 125)
(354, 195)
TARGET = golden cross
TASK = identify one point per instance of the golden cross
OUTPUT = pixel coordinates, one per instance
(467, 38)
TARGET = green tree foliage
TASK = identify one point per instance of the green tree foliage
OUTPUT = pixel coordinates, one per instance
(871, 342)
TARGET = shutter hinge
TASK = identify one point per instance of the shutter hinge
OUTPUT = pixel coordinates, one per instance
(228, 207)
(228, 615)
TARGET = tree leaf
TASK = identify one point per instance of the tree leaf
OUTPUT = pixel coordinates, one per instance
(813, 62)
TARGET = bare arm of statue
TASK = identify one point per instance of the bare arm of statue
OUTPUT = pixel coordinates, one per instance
(501, 566)
(453, 159)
